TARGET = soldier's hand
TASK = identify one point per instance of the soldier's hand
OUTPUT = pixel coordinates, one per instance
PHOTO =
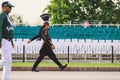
(53, 47)
(13, 45)
(29, 41)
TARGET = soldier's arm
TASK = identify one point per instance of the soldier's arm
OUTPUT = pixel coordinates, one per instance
(48, 39)
(42, 32)
(12, 43)
(35, 37)
(2, 17)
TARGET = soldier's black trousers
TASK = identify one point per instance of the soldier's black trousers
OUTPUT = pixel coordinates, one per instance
(46, 51)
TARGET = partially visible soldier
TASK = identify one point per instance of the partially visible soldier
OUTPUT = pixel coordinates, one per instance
(47, 46)
(6, 43)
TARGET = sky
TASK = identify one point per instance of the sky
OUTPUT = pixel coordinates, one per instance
(30, 10)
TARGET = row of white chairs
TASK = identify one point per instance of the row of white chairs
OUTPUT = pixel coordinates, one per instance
(75, 46)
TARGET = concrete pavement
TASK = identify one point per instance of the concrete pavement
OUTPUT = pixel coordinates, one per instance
(63, 75)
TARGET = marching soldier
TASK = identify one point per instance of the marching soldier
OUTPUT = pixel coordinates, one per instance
(46, 49)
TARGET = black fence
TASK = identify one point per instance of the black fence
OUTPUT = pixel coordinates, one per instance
(68, 56)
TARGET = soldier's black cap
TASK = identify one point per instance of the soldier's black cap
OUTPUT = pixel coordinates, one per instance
(45, 17)
(7, 3)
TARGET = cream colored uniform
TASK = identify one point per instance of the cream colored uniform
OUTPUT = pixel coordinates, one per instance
(6, 59)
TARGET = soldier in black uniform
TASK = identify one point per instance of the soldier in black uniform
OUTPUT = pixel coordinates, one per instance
(47, 46)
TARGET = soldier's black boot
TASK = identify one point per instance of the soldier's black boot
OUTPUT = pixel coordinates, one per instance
(34, 70)
(63, 67)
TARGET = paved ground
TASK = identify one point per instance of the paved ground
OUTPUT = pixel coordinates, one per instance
(63, 75)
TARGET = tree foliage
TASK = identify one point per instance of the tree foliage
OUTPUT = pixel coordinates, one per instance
(16, 19)
(67, 11)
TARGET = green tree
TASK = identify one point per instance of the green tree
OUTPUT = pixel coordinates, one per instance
(59, 9)
(117, 12)
(16, 19)
(66, 11)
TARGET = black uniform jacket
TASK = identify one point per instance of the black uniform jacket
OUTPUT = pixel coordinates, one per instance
(43, 34)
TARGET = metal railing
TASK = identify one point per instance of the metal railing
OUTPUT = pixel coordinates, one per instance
(71, 53)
